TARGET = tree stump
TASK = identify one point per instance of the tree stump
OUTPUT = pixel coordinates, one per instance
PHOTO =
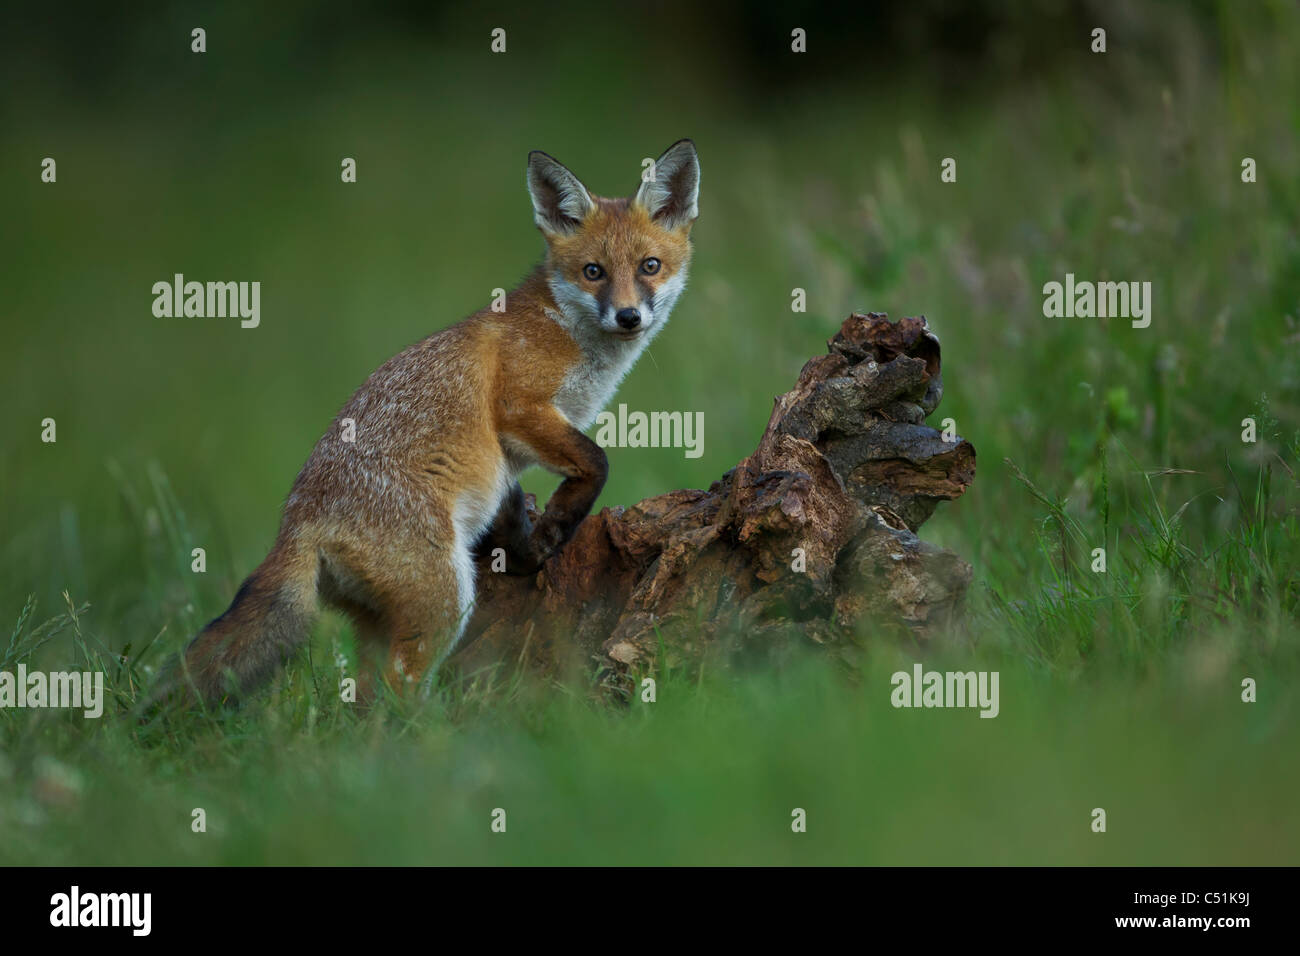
(811, 537)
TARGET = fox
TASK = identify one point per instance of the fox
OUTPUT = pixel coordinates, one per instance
(420, 468)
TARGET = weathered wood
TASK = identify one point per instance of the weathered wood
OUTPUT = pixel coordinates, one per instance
(846, 470)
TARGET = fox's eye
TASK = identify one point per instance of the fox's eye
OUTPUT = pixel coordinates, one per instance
(592, 271)
(650, 266)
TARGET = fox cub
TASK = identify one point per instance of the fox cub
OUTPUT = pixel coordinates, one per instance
(383, 521)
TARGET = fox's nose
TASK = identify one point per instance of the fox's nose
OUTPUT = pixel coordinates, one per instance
(628, 318)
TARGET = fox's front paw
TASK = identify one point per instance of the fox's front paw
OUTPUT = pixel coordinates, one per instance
(524, 562)
(547, 538)
(512, 557)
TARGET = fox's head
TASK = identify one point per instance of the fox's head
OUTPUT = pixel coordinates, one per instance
(617, 266)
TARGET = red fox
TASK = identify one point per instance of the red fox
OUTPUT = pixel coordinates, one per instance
(421, 464)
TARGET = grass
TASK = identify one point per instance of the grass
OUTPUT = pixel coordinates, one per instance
(1120, 690)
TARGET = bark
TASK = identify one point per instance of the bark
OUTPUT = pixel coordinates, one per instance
(811, 537)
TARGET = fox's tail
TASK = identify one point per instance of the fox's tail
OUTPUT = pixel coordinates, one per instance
(268, 620)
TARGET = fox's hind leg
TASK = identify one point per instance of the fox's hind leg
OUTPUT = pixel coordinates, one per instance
(404, 594)
(371, 646)
(424, 629)
(426, 616)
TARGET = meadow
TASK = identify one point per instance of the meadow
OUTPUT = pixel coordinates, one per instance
(1121, 690)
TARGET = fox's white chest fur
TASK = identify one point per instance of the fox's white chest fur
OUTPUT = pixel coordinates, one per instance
(591, 383)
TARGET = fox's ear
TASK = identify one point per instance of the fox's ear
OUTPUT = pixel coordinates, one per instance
(672, 196)
(560, 201)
